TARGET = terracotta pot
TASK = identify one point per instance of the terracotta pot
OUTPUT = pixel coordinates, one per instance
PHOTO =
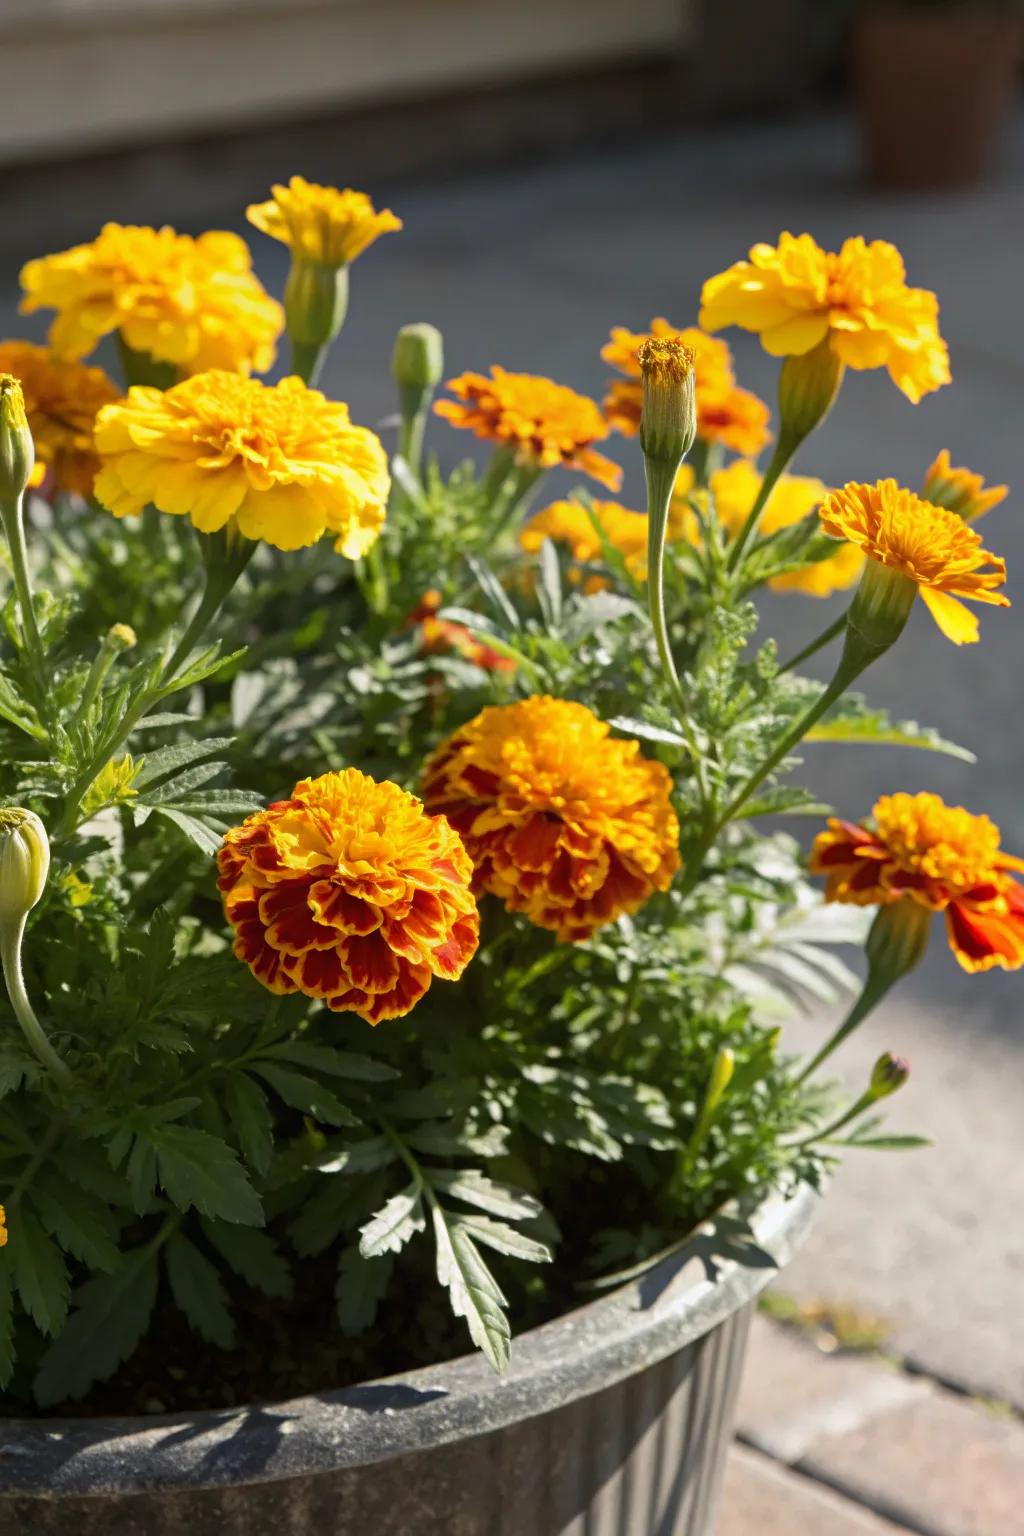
(615, 1419)
(934, 86)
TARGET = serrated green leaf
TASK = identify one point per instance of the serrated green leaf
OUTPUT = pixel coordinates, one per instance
(506, 1239)
(82, 1225)
(394, 1224)
(112, 1314)
(197, 1290)
(887, 1143)
(142, 1174)
(180, 786)
(324, 1058)
(363, 1156)
(197, 1169)
(629, 726)
(474, 1188)
(197, 832)
(445, 1141)
(862, 725)
(305, 1094)
(472, 1289)
(252, 1254)
(360, 1288)
(38, 1269)
(251, 1119)
(166, 762)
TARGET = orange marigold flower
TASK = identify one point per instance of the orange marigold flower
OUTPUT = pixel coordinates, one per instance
(349, 892)
(726, 414)
(442, 636)
(796, 295)
(195, 303)
(929, 545)
(3, 1227)
(546, 424)
(734, 489)
(916, 848)
(961, 490)
(569, 523)
(280, 463)
(562, 822)
(61, 401)
(321, 224)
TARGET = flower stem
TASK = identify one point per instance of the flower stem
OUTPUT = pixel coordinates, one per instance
(785, 448)
(834, 630)
(11, 935)
(874, 989)
(12, 516)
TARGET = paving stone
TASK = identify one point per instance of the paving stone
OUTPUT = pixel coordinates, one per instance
(945, 1465)
(761, 1498)
(792, 1393)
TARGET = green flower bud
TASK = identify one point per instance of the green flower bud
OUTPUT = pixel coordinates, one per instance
(668, 415)
(808, 386)
(17, 451)
(888, 1075)
(898, 939)
(121, 637)
(417, 362)
(315, 302)
(879, 611)
(24, 863)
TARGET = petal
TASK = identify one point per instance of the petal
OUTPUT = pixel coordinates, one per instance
(796, 335)
(982, 940)
(957, 623)
(291, 927)
(371, 963)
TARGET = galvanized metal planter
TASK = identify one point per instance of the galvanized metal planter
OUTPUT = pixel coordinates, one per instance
(612, 1421)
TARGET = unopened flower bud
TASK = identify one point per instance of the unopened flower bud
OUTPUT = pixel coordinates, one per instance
(315, 302)
(121, 637)
(879, 612)
(808, 386)
(888, 1074)
(417, 363)
(24, 863)
(721, 1076)
(17, 451)
(898, 939)
(668, 415)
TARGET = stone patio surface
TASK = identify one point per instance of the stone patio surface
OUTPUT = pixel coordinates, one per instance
(529, 267)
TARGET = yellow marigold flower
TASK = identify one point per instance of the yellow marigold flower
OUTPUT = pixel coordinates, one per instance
(3, 1227)
(569, 523)
(349, 892)
(726, 414)
(61, 400)
(283, 463)
(734, 489)
(562, 822)
(322, 224)
(918, 850)
(194, 303)
(546, 424)
(796, 295)
(928, 545)
(961, 490)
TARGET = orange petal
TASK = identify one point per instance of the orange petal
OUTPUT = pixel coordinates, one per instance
(957, 623)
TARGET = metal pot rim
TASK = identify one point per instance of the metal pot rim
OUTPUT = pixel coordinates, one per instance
(719, 1269)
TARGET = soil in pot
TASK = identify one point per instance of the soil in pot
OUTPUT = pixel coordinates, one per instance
(934, 87)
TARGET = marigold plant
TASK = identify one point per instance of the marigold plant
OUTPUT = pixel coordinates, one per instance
(507, 780)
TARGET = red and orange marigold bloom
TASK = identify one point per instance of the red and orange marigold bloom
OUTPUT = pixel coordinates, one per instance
(796, 296)
(443, 637)
(349, 892)
(562, 822)
(543, 423)
(726, 414)
(918, 849)
(3, 1227)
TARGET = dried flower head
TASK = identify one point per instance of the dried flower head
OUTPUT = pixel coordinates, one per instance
(281, 463)
(562, 822)
(194, 303)
(545, 424)
(929, 546)
(726, 414)
(918, 849)
(796, 295)
(321, 224)
(62, 399)
(349, 892)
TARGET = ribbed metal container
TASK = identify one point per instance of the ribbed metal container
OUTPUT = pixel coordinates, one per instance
(612, 1421)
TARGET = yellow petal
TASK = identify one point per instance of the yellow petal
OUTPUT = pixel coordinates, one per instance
(957, 623)
(796, 335)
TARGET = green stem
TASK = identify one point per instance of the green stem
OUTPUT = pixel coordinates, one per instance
(827, 1132)
(411, 432)
(785, 448)
(875, 988)
(307, 360)
(12, 515)
(833, 632)
(11, 934)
